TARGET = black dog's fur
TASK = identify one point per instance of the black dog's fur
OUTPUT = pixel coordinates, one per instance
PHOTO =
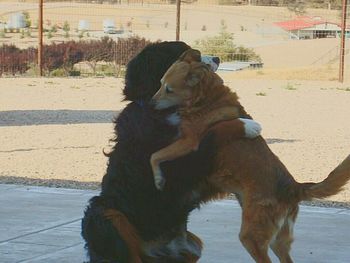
(128, 183)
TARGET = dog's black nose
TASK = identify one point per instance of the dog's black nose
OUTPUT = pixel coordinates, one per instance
(216, 60)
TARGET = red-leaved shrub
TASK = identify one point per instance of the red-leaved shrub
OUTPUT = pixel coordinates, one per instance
(65, 55)
(14, 60)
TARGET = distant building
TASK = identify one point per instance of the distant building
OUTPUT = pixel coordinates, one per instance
(310, 28)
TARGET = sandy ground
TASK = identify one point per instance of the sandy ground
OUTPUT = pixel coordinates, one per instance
(55, 130)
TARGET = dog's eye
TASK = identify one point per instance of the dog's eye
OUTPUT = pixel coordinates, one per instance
(168, 89)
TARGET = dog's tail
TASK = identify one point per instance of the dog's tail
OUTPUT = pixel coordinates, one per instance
(332, 185)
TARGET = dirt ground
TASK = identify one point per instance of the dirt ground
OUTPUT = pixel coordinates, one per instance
(54, 130)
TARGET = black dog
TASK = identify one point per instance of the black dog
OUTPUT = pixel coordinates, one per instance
(128, 183)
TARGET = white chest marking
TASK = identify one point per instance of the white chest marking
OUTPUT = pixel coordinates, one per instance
(174, 119)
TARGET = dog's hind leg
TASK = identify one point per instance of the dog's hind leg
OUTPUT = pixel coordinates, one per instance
(256, 232)
(282, 243)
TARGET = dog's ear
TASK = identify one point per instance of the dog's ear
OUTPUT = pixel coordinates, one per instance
(196, 74)
(191, 55)
(192, 79)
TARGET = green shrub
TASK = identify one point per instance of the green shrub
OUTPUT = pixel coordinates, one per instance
(223, 45)
(27, 19)
(3, 33)
(121, 72)
(108, 70)
(74, 73)
(33, 69)
(28, 33)
(245, 54)
(49, 34)
(54, 29)
(66, 29)
(60, 72)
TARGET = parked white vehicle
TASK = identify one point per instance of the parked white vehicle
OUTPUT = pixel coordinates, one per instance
(109, 27)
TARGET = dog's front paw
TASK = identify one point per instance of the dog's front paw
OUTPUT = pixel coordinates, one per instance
(159, 180)
(252, 128)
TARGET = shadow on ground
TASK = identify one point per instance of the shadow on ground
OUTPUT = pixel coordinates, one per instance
(56, 183)
(47, 117)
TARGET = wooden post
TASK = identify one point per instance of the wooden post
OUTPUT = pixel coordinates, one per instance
(40, 37)
(178, 13)
(342, 42)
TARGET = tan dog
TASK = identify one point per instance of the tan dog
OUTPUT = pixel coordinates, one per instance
(268, 194)
(204, 101)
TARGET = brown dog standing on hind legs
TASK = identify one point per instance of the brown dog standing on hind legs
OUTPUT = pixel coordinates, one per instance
(201, 108)
(267, 192)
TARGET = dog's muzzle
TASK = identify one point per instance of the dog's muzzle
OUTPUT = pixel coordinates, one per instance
(212, 61)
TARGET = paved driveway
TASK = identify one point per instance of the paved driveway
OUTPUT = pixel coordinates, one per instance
(39, 224)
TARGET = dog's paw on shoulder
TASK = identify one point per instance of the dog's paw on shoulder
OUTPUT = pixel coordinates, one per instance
(251, 127)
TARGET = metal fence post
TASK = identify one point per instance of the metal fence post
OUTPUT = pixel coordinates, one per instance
(342, 42)
(40, 38)
(178, 13)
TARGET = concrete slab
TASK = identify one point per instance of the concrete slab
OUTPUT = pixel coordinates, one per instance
(40, 225)
(322, 235)
(36, 223)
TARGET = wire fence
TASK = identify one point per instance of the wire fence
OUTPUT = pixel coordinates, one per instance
(280, 39)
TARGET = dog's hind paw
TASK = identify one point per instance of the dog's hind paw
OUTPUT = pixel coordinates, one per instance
(252, 128)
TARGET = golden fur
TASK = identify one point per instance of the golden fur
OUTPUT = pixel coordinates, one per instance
(201, 108)
(267, 192)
